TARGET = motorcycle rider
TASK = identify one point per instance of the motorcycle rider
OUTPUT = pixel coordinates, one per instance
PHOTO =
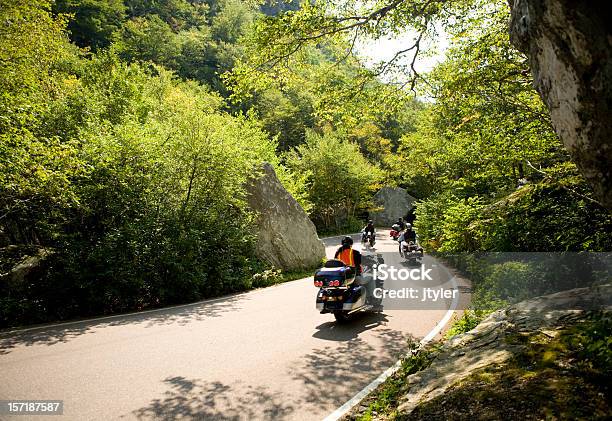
(351, 257)
(368, 229)
(348, 256)
(409, 235)
(401, 224)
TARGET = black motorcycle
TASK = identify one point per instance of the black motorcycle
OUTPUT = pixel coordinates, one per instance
(412, 253)
(338, 293)
(368, 238)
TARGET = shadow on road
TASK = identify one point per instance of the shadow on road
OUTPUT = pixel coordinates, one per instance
(201, 400)
(332, 331)
(179, 315)
(332, 374)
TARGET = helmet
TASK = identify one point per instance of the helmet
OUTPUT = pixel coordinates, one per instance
(370, 222)
(347, 241)
(400, 219)
(408, 226)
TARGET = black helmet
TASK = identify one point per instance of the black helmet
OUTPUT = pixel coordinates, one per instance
(347, 241)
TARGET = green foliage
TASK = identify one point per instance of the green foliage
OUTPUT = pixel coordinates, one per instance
(266, 278)
(92, 22)
(339, 180)
(198, 40)
(148, 39)
(35, 166)
(132, 178)
(485, 160)
(468, 321)
(591, 342)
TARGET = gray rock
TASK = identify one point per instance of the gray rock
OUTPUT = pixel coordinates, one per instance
(486, 344)
(569, 45)
(26, 267)
(394, 202)
(286, 237)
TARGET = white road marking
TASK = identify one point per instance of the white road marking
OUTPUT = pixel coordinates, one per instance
(344, 409)
(155, 310)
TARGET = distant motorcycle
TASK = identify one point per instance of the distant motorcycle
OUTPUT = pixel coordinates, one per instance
(368, 238)
(412, 253)
(338, 293)
(395, 232)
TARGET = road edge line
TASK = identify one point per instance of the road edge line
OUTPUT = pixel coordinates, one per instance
(351, 403)
(14, 331)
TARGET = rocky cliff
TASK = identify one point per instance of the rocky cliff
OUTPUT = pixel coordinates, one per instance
(544, 358)
(569, 45)
(287, 238)
(394, 202)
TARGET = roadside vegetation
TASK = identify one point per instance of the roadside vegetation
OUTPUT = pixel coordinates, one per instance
(128, 129)
(563, 375)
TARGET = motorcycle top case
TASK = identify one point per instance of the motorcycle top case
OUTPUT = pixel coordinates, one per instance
(328, 274)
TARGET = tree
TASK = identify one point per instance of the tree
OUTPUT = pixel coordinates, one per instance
(542, 35)
(92, 22)
(148, 39)
(570, 55)
(485, 160)
(339, 180)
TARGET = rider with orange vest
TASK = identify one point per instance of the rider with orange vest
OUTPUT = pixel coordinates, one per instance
(348, 256)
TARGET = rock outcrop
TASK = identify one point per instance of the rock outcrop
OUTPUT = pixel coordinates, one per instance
(287, 238)
(569, 45)
(394, 202)
(27, 267)
(491, 342)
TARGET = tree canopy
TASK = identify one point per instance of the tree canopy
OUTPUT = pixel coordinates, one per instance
(128, 129)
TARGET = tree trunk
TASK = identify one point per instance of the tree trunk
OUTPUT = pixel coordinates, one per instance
(569, 45)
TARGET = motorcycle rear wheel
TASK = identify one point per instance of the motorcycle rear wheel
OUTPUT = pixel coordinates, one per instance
(341, 316)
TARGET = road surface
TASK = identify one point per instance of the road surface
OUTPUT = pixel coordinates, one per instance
(264, 354)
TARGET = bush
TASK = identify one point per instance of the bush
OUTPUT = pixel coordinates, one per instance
(339, 179)
(134, 178)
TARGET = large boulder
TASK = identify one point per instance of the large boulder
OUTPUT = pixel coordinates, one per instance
(495, 359)
(569, 45)
(394, 202)
(496, 340)
(287, 238)
(25, 268)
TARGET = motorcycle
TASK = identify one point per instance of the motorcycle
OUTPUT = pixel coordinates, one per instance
(338, 293)
(395, 232)
(412, 253)
(368, 238)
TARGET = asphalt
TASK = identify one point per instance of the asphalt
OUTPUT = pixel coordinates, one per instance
(265, 354)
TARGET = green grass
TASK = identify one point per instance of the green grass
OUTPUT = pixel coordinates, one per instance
(387, 394)
(468, 321)
(273, 276)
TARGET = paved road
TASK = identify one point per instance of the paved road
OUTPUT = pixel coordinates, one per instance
(265, 354)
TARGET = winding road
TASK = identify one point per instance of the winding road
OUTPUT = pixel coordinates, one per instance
(264, 354)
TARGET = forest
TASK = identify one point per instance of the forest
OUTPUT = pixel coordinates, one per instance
(128, 129)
